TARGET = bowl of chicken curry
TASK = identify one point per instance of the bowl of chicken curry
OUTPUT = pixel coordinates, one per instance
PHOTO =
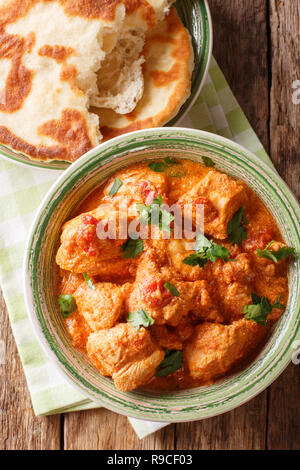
(162, 274)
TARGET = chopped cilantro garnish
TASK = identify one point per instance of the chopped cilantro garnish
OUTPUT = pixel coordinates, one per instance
(160, 166)
(208, 161)
(132, 248)
(275, 256)
(206, 250)
(171, 363)
(89, 281)
(115, 187)
(140, 318)
(235, 230)
(155, 214)
(172, 289)
(67, 305)
(260, 309)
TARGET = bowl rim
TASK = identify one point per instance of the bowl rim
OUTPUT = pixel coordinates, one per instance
(150, 133)
(60, 165)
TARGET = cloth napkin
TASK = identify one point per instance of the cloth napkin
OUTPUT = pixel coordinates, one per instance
(21, 191)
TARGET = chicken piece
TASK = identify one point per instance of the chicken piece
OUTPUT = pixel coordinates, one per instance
(204, 301)
(177, 251)
(221, 197)
(271, 287)
(166, 337)
(214, 349)
(233, 299)
(102, 307)
(185, 329)
(69, 282)
(127, 355)
(239, 269)
(232, 281)
(257, 239)
(78, 330)
(82, 250)
(264, 268)
(140, 185)
(149, 292)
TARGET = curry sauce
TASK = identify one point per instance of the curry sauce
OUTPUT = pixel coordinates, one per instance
(162, 311)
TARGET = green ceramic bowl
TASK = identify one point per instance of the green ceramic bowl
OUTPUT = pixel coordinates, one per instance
(195, 15)
(70, 189)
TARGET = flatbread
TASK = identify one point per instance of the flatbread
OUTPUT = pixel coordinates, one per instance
(167, 71)
(120, 78)
(47, 74)
(50, 55)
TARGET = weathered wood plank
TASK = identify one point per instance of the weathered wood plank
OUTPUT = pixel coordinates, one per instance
(20, 429)
(242, 428)
(240, 47)
(284, 410)
(102, 429)
(285, 115)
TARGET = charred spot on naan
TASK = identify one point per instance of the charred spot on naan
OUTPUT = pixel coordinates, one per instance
(18, 81)
(70, 131)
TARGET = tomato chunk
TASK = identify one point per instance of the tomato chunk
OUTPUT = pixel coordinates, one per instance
(87, 235)
(156, 295)
(258, 240)
(210, 213)
(148, 191)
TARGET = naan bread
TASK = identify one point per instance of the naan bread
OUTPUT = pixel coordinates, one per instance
(167, 71)
(50, 51)
(59, 56)
(120, 78)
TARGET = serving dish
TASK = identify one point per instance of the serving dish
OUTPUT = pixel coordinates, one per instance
(70, 189)
(195, 15)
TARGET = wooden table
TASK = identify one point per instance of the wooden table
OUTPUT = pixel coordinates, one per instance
(257, 44)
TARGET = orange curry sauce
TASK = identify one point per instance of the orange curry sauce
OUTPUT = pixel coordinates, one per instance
(206, 321)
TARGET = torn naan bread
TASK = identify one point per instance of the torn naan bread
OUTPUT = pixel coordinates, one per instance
(167, 70)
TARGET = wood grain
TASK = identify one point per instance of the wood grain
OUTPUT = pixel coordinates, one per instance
(242, 428)
(283, 417)
(285, 67)
(257, 46)
(102, 429)
(20, 429)
(241, 49)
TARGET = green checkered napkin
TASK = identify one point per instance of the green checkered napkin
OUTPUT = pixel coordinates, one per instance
(21, 190)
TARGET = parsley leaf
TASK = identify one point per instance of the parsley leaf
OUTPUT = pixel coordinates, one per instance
(260, 309)
(170, 161)
(67, 305)
(172, 289)
(115, 187)
(89, 281)
(155, 214)
(171, 363)
(206, 251)
(235, 230)
(132, 248)
(195, 260)
(208, 161)
(140, 318)
(278, 304)
(160, 166)
(275, 256)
